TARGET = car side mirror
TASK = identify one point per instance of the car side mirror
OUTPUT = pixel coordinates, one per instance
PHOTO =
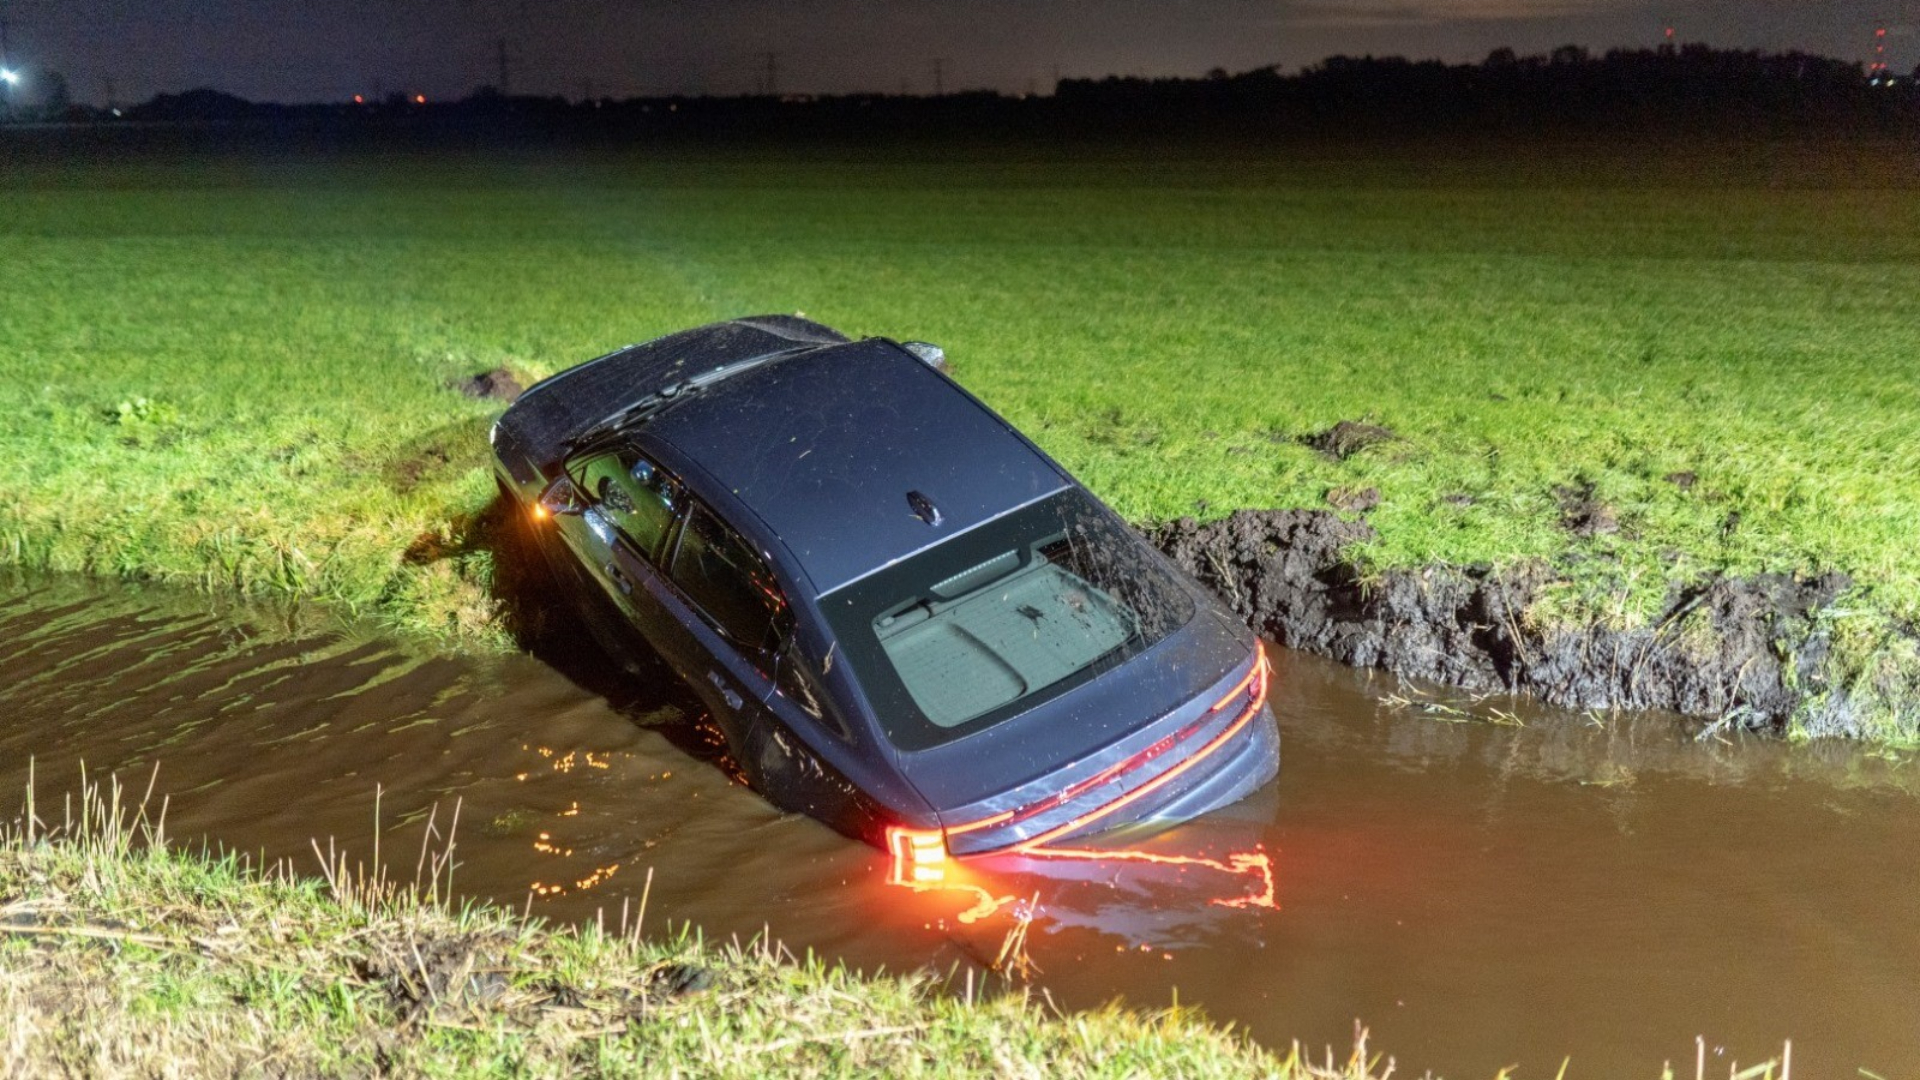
(563, 496)
(929, 354)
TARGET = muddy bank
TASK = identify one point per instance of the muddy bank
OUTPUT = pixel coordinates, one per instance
(1751, 652)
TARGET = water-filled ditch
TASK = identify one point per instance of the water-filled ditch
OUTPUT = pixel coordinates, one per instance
(1480, 893)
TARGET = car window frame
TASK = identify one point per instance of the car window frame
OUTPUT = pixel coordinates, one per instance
(574, 468)
(687, 503)
(779, 626)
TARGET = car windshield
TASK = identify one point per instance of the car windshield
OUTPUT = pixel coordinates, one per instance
(1002, 617)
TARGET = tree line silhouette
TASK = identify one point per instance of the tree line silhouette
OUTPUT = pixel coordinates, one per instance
(1684, 87)
(1568, 87)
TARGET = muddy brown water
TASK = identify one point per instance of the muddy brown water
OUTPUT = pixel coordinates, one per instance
(1604, 889)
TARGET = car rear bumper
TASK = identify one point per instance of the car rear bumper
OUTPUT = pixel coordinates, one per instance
(1196, 760)
(1252, 763)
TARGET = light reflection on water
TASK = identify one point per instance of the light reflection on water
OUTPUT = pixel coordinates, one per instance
(1601, 887)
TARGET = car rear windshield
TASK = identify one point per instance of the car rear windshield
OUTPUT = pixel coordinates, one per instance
(1000, 618)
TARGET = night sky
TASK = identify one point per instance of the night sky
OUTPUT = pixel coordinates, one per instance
(311, 50)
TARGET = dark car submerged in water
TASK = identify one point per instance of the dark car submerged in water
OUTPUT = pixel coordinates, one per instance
(907, 620)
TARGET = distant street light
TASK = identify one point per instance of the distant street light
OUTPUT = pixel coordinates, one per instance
(9, 76)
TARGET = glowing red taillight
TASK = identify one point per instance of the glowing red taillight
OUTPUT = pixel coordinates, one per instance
(919, 855)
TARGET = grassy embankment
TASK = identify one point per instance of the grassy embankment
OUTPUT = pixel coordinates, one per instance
(232, 370)
(121, 957)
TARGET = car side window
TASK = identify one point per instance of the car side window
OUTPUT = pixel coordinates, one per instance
(633, 494)
(727, 580)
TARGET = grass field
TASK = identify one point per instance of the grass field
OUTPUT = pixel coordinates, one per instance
(232, 369)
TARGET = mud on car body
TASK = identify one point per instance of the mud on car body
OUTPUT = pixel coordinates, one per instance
(907, 620)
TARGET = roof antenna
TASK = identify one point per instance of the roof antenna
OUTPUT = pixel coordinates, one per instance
(924, 509)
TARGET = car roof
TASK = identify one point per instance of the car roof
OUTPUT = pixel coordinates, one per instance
(824, 446)
(533, 435)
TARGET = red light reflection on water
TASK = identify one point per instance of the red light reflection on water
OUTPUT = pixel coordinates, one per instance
(1254, 865)
(917, 870)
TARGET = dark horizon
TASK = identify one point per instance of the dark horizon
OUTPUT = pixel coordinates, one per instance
(295, 51)
(1686, 89)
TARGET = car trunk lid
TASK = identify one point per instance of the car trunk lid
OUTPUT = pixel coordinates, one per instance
(1109, 752)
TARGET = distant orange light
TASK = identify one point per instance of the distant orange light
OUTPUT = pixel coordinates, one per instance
(358, 100)
(419, 99)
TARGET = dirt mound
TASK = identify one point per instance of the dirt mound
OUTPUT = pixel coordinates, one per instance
(1349, 437)
(1354, 500)
(1739, 650)
(498, 384)
(1583, 514)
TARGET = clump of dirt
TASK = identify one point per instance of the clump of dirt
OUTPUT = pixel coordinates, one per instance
(1582, 514)
(1682, 480)
(435, 979)
(452, 973)
(1354, 500)
(1750, 654)
(1282, 571)
(498, 384)
(680, 980)
(433, 545)
(1347, 438)
(438, 455)
(407, 473)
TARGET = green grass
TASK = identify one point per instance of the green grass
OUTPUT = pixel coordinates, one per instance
(230, 370)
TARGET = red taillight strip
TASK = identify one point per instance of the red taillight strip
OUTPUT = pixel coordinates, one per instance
(1081, 787)
(983, 823)
(1258, 671)
(1259, 681)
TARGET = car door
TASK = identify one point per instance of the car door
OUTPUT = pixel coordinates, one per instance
(616, 541)
(810, 759)
(734, 608)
